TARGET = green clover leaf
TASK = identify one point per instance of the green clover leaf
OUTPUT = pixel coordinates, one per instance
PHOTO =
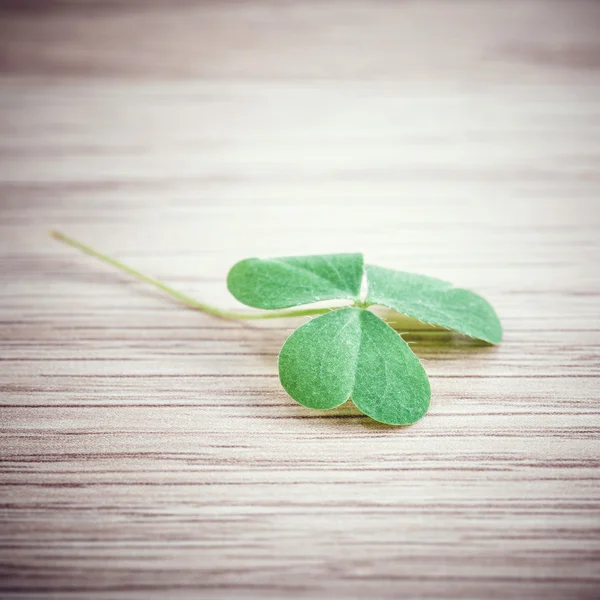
(346, 352)
(292, 281)
(435, 302)
(351, 352)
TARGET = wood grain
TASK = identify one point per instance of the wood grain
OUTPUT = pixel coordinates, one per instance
(149, 451)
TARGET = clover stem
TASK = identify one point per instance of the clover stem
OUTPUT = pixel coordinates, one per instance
(190, 302)
(361, 304)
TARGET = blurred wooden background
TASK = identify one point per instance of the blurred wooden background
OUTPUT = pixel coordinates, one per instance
(149, 451)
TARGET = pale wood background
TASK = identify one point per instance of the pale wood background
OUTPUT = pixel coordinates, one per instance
(149, 451)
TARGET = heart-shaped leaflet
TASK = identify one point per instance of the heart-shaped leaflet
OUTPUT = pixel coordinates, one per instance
(351, 352)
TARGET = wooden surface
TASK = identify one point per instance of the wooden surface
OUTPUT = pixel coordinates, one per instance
(149, 451)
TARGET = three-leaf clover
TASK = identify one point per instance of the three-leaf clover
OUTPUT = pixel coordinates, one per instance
(350, 352)
(347, 351)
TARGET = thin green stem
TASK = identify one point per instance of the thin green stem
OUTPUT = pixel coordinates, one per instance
(361, 304)
(190, 302)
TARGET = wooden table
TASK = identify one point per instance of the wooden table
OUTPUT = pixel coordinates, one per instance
(148, 451)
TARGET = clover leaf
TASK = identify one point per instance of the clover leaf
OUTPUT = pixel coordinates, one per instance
(347, 351)
(296, 280)
(435, 302)
(351, 352)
